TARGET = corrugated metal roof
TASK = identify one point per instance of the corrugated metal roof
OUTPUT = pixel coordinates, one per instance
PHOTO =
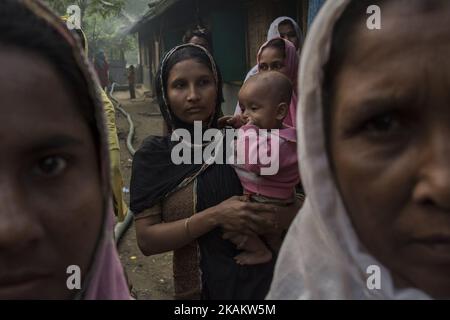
(157, 7)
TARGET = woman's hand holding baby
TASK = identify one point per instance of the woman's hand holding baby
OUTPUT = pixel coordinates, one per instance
(237, 215)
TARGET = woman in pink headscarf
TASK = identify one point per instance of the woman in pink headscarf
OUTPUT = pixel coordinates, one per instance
(56, 233)
(279, 55)
(286, 28)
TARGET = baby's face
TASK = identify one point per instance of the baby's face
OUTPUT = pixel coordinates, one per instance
(259, 107)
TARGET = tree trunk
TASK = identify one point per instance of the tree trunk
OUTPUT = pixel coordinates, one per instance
(83, 4)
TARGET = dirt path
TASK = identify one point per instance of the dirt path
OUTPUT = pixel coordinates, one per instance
(152, 277)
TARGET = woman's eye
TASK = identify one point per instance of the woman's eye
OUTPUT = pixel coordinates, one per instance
(383, 124)
(204, 82)
(277, 66)
(179, 85)
(263, 67)
(50, 166)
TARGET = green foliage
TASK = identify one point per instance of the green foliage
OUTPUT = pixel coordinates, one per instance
(106, 34)
(102, 22)
(104, 8)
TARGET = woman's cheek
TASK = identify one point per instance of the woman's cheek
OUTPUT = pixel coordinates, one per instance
(211, 100)
(72, 203)
(72, 219)
(374, 187)
(176, 101)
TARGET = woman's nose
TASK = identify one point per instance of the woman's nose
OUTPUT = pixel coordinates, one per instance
(193, 94)
(433, 186)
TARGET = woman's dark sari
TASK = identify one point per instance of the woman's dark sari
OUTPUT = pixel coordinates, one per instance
(222, 277)
(155, 177)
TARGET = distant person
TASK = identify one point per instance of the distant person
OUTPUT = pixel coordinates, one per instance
(279, 55)
(102, 68)
(132, 82)
(286, 28)
(199, 36)
(120, 207)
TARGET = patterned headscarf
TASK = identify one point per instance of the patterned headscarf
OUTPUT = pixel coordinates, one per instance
(161, 87)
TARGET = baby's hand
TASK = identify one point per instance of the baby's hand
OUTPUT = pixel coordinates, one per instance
(236, 121)
(222, 122)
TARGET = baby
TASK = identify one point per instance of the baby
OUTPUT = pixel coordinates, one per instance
(264, 100)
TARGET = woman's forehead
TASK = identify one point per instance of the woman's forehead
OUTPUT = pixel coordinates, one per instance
(271, 53)
(404, 37)
(189, 68)
(14, 60)
(286, 26)
(26, 83)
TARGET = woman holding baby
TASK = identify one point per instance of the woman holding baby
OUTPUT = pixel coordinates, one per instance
(188, 208)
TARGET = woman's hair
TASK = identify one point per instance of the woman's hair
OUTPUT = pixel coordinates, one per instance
(278, 44)
(182, 54)
(21, 29)
(198, 32)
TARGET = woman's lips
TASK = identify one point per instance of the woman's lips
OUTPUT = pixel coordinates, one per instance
(436, 245)
(443, 239)
(194, 109)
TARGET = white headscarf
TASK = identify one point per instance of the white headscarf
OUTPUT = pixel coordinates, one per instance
(322, 257)
(274, 32)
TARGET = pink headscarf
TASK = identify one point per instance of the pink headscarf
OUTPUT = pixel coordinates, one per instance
(291, 63)
(105, 279)
(290, 60)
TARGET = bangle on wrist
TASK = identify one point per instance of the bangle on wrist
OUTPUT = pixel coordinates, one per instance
(186, 227)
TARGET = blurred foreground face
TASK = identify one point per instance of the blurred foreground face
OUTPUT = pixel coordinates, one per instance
(51, 203)
(390, 142)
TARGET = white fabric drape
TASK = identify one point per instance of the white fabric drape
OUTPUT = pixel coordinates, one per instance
(321, 257)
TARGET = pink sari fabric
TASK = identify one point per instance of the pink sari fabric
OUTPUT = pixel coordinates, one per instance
(291, 118)
(291, 62)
